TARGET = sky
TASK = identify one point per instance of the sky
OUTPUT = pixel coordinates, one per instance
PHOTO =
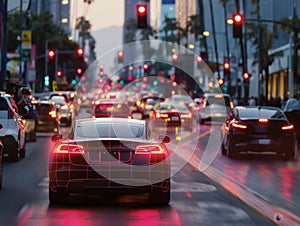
(101, 13)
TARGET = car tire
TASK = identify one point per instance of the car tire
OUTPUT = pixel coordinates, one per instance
(230, 152)
(14, 151)
(57, 197)
(160, 198)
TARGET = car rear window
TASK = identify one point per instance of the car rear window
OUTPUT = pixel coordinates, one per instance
(44, 107)
(224, 100)
(112, 130)
(111, 108)
(255, 113)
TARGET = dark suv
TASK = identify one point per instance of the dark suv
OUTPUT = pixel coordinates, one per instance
(47, 117)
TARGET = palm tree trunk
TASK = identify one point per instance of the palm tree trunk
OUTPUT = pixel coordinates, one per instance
(214, 36)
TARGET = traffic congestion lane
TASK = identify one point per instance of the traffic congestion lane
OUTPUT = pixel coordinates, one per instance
(194, 199)
(274, 180)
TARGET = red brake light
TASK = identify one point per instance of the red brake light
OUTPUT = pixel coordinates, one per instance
(239, 126)
(69, 148)
(287, 127)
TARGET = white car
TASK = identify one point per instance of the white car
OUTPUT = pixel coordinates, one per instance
(12, 128)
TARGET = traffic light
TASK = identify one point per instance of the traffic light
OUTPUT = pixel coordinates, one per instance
(121, 56)
(79, 52)
(238, 20)
(79, 71)
(199, 61)
(141, 12)
(221, 81)
(226, 67)
(174, 57)
(51, 54)
(46, 81)
(59, 73)
(101, 70)
(246, 76)
(146, 67)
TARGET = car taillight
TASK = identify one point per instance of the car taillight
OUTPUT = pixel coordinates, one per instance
(288, 127)
(231, 104)
(157, 115)
(69, 148)
(239, 126)
(149, 149)
(52, 114)
(64, 107)
(204, 104)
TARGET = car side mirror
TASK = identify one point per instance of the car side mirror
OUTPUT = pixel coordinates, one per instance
(56, 137)
(166, 139)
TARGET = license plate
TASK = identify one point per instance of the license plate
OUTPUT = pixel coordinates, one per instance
(264, 141)
(175, 118)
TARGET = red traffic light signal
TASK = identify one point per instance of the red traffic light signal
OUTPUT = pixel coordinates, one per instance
(246, 76)
(199, 59)
(80, 52)
(146, 67)
(141, 12)
(238, 20)
(174, 57)
(59, 73)
(51, 54)
(79, 71)
(120, 56)
(226, 66)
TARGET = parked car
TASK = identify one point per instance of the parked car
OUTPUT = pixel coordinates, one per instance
(47, 116)
(12, 129)
(109, 157)
(215, 107)
(258, 129)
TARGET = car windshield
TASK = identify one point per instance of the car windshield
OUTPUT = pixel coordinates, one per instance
(255, 113)
(112, 130)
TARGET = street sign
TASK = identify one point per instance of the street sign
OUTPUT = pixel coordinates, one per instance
(26, 45)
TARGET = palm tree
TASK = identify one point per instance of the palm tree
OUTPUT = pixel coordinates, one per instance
(84, 27)
(294, 30)
(261, 55)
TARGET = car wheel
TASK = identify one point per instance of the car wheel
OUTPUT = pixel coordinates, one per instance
(160, 198)
(230, 152)
(14, 150)
(57, 197)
